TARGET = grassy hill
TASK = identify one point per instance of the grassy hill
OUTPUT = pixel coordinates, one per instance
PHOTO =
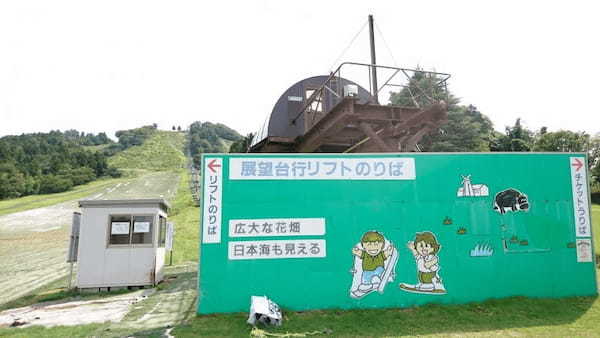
(162, 155)
(162, 151)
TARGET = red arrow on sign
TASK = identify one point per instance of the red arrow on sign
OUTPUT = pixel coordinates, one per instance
(212, 165)
(577, 164)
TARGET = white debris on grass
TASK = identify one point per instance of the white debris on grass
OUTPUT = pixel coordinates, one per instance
(166, 307)
(40, 219)
(97, 196)
(50, 314)
(49, 229)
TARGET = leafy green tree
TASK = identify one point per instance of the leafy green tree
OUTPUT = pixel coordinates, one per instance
(32, 185)
(421, 90)
(594, 158)
(113, 172)
(242, 145)
(516, 138)
(78, 176)
(12, 182)
(209, 138)
(134, 137)
(89, 139)
(562, 141)
(49, 162)
(53, 183)
(467, 128)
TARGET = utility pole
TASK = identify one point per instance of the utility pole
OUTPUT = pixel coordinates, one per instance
(374, 85)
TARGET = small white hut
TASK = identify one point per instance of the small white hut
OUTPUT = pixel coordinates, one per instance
(121, 243)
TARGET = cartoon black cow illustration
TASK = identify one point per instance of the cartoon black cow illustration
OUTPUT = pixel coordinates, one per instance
(510, 199)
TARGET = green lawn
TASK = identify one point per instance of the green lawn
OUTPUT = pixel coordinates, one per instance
(186, 217)
(517, 316)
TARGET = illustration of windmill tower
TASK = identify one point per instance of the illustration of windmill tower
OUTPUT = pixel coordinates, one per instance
(469, 189)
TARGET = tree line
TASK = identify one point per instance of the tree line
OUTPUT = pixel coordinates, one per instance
(42, 163)
(51, 162)
(207, 137)
(469, 130)
(129, 138)
(88, 139)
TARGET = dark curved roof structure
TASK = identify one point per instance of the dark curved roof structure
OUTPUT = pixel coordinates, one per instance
(286, 121)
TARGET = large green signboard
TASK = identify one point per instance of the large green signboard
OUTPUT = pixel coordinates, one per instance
(392, 230)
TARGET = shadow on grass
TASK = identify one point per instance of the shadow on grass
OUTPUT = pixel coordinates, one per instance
(500, 314)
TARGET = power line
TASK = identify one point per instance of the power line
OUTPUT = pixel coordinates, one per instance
(348, 47)
(386, 45)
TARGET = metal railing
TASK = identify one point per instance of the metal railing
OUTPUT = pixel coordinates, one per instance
(409, 87)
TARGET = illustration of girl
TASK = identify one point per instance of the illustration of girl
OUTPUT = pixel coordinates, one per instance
(425, 248)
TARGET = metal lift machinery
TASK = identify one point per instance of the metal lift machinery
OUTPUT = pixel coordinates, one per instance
(333, 114)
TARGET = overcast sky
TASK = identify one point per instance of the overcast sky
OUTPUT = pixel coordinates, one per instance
(109, 65)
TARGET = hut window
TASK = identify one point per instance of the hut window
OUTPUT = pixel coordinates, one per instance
(142, 230)
(120, 228)
(128, 229)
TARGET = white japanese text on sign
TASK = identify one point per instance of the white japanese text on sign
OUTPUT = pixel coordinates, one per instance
(213, 185)
(351, 168)
(276, 227)
(277, 249)
(580, 196)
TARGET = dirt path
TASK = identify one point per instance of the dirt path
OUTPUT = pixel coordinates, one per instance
(173, 302)
(33, 243)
